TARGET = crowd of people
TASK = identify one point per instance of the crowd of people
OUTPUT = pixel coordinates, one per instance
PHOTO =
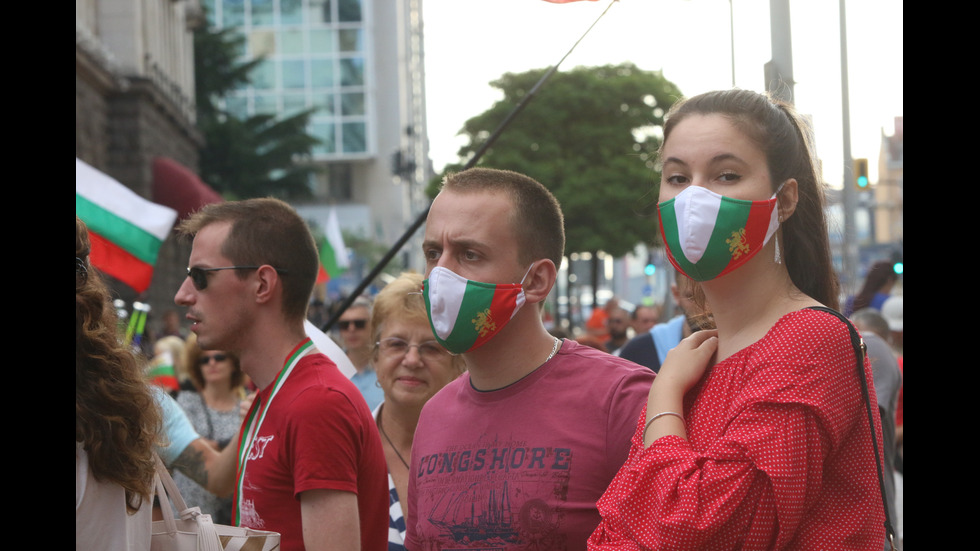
(738, 423)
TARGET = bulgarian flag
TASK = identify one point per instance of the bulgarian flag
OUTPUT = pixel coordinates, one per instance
(125, 230)
(333, 252)
(162, 372)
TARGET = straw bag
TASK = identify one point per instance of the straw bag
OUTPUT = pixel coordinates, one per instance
(194, 531)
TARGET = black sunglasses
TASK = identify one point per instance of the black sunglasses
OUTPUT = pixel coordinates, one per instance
(206, 358)
(345, 324)
(199, 276)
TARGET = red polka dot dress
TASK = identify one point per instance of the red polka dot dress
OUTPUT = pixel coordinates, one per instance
(778, 456)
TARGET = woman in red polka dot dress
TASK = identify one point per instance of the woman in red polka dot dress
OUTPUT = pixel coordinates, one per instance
(755, 434)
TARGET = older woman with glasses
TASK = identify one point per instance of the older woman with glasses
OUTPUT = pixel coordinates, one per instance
(411, 368)
(213, 407)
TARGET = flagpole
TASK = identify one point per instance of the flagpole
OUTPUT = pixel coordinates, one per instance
(469, 164)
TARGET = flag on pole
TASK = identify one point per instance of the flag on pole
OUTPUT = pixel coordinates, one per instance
(333, 252)
(126, 230)
(162, 372)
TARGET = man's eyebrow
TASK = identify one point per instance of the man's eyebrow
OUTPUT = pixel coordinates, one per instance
(457, 242)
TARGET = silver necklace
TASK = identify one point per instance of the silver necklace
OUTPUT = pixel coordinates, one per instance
(554, 350)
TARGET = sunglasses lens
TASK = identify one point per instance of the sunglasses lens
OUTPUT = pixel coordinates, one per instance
(198, 278)
(206, 359)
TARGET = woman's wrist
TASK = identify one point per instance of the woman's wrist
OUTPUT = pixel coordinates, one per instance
(660, 415)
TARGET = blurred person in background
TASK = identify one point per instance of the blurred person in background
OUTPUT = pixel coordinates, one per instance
(650, 348)
(355, 334)
(645, 316)
(617, 325)
(877, 288)
(214, 409)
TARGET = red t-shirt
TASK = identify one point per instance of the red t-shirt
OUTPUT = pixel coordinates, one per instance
(317, 434)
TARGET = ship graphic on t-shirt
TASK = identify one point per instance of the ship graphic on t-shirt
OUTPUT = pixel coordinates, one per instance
(485, 515)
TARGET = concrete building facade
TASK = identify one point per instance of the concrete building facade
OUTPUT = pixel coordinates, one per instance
(134, 90)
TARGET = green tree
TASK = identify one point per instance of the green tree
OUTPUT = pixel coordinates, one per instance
(591, 136)
(261, 155)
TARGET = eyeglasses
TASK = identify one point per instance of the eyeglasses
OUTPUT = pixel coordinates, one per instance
(345, 324)
(199, 276)
(395, 347)
(205, 359)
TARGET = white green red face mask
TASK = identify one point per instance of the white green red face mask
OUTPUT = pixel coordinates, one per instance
(465, 314)
(708, 235)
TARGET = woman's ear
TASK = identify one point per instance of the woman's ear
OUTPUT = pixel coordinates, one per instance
(786, 199)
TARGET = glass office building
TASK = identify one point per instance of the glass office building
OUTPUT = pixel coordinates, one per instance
(315, 56)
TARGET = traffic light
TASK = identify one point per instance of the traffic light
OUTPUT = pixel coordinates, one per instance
(861, 174)
(898, 265)
(650, 268)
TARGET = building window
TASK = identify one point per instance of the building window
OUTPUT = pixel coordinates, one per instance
(314, 57)
(340, 182)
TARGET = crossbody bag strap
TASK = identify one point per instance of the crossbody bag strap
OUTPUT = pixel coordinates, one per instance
(860, 351)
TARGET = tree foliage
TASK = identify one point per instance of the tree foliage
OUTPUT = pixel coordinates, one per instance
(262, 155)
(590, 135)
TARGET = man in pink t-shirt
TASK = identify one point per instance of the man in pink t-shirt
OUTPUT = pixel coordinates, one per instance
(311, 463)
(516, 452)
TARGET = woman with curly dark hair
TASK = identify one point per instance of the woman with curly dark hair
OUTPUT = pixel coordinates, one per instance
(117, 421)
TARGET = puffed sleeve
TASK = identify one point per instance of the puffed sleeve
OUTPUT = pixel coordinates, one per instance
(760, 432)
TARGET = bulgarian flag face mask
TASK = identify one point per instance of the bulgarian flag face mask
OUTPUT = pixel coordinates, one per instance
(466, 314)
(708, 235)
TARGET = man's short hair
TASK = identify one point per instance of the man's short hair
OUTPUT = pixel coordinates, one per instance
(266, 231)
(537, 220)
(869, 319)
(639, 307)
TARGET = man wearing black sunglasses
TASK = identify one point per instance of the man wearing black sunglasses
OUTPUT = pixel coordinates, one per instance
(355, 335)
(314, 469)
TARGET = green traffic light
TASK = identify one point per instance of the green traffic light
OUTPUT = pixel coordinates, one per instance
(861, 174)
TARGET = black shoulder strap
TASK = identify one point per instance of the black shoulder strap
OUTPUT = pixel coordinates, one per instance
(860, 351)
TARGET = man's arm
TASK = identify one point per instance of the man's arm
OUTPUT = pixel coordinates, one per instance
(330, 520)
(213, 470)
(185, 450)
